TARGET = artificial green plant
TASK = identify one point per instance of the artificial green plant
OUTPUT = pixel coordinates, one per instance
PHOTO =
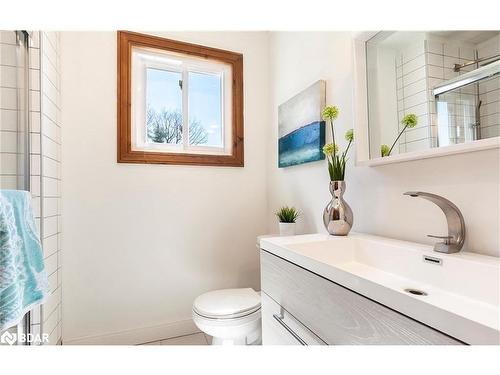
(287, 214)
(336, 160)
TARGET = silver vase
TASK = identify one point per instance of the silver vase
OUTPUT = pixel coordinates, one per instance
(337, 215)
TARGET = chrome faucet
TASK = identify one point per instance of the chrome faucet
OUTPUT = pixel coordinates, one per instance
(453, 242)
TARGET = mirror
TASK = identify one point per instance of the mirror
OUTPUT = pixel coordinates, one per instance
(431, 89)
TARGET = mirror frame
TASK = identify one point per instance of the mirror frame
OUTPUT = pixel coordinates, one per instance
(361, 128)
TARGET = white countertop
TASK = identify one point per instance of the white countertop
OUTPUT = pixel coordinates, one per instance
(462, 295)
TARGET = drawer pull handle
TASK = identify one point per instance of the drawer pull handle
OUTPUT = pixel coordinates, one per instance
(279, 319)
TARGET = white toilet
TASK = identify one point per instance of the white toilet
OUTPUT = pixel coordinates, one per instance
(230, 316)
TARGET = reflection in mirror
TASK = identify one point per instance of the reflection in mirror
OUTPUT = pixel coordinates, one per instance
(448, 79)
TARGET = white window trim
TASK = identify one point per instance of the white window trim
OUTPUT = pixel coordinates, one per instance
(144, 58)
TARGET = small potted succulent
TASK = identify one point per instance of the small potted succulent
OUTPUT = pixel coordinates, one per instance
(287, 217)
(409, 121)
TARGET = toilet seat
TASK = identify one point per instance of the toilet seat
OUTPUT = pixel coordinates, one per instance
(227, 322)
(227, 304)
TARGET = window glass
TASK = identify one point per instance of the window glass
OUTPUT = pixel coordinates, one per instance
(205, 109)
(163, 106)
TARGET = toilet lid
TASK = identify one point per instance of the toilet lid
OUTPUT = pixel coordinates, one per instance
(227, 303)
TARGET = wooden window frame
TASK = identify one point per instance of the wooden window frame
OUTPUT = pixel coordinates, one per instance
(126, 41)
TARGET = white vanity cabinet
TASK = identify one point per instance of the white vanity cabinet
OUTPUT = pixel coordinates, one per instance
(300, 307)
(282, 328)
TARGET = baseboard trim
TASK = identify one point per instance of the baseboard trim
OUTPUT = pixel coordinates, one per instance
(138, 335)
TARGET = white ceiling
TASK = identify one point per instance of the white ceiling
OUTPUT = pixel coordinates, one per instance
(401, 39)
(470, 36)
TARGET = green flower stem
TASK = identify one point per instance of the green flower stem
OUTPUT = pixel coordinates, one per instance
(399, 136)
(333, 135)
(347, 149)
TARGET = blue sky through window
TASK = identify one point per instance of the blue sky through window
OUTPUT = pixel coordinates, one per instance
(163, 91)
(204, 99)
(205, 105)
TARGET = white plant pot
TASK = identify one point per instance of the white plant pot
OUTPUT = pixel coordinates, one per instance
(287, 229)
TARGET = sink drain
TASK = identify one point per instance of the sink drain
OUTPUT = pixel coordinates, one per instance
(415, 292)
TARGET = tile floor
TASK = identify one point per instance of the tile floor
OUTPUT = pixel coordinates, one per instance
(194, 339)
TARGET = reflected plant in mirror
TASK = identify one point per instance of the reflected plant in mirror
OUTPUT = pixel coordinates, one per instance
(409, 122)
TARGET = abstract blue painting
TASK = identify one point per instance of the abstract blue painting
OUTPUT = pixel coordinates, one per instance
(301, 130)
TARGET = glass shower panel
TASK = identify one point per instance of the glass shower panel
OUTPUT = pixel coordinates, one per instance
(456, 111)
(14, 133)
(14, 120)
(469, 113)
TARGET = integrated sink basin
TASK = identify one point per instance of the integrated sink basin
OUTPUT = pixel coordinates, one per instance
(457, 294)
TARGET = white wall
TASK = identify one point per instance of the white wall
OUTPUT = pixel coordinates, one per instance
(470, 180)
(142, 241)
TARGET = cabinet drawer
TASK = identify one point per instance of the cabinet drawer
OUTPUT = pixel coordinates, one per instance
(279, 327)
(336, 314)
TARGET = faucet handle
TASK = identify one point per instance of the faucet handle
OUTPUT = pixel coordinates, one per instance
(447, 239)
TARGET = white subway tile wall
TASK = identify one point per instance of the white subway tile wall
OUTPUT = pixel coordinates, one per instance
(489, 93)
(35, 149)
(50, 138)
(457, 108)
(411, 73)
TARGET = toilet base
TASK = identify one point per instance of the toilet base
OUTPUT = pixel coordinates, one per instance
(255, 338)
(245, 330)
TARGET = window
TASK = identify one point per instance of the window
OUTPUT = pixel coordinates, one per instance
(179, 103)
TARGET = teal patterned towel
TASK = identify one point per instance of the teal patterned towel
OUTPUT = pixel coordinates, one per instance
(23, 280)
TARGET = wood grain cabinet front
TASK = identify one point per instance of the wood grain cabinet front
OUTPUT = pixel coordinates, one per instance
(279, 327)
(333, 313)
